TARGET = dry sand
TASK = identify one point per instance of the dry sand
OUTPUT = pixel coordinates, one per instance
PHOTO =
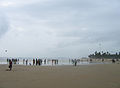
(83, 76)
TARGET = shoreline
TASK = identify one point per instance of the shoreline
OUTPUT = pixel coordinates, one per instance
(60, 62)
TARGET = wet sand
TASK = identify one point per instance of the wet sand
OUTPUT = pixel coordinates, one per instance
(82, 76)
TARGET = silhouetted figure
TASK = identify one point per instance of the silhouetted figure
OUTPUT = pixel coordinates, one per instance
(113, 60)
(72, 61)
(27, 62)
(52, 62)
(10, 65)
(102, 60)
(45, 61)
(23, 61)
(36, 61)
(7, 60)
(75, 61)
(90, 60)
(30, 64)
(33, 61)
(78, 60)
(57, 61)
(18, 61)
(40, 61)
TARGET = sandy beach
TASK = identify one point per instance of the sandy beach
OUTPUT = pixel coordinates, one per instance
(82, 76)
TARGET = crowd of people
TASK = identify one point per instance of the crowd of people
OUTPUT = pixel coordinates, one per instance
(36, 62)
(39, 62)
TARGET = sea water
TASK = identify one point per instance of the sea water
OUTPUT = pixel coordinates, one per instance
(48, 62)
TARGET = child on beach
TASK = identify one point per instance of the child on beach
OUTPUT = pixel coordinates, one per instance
(10, 65)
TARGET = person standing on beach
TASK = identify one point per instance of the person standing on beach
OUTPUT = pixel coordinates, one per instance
(75, 61)
(36, 61)
(102, 59)
(10, 65)
(23, 61)
(27, 62)
(33, 61)
(90, 60)
(113, 60)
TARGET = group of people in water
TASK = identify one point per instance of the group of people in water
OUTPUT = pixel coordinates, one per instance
(34, 62)
(46, 61)
(40, 61)
(15, 61)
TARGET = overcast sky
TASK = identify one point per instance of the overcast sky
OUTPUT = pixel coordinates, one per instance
(58, 28)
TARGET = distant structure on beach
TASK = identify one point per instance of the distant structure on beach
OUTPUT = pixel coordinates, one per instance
(105, 55)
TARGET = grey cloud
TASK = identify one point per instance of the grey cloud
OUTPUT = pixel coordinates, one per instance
(101, 18)
(3, 24)
(53, 8)
(95, 15)
(74, 23)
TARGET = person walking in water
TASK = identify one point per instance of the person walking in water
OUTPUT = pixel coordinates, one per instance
(10, 65)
